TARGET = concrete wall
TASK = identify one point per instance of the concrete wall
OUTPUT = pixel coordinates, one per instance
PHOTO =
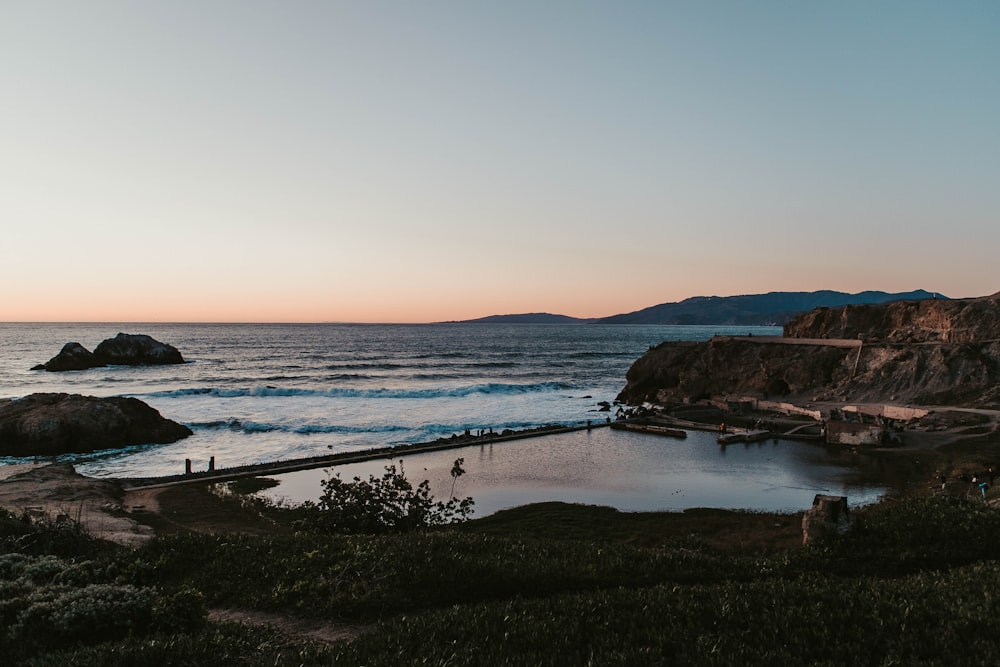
(789, 409)
(891, 411)
(850, 433)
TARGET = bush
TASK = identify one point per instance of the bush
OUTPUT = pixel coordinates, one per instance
(26, 535)
(47, 603)
(387, 504)
(222, 645)
(57, 616)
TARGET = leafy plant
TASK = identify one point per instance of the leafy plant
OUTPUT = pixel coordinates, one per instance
(386, 504)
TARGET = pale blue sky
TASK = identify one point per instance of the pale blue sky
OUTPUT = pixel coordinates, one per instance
(421, 161)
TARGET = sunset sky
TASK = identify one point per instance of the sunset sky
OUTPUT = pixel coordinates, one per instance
(415, 161)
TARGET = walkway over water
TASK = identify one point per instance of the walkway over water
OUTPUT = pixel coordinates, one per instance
(343, 458)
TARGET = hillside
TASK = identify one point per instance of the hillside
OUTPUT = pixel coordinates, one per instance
(754, 309)
(930, 352)
(773, 308)
(526, 318)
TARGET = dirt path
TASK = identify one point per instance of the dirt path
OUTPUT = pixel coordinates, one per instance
(316, 631)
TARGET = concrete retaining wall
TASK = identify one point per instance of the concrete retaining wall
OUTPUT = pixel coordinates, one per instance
(891, 411)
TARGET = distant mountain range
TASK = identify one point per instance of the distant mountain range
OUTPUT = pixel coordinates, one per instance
(775, 308)
(529, 318)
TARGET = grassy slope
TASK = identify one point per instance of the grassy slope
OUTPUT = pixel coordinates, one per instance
(565, 584)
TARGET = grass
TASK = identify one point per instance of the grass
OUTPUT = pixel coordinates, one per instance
(723, 530)
(200, 508)
(546, 584)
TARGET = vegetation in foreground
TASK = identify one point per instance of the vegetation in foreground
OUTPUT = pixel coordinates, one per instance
(914, 583)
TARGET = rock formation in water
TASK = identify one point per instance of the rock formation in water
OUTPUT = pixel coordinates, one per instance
(51, 424)
(72, 357)
(932, 352)
(136, 350)
(122, 350)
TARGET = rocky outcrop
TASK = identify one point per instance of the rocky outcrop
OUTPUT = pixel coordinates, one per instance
(926, 353)
(136, 350)
(72, 357)
(687, 372)
(828, 518)
(122, 350)
(51, 424)
(928, 321)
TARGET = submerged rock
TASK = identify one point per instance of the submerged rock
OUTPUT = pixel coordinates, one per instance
(51, 424)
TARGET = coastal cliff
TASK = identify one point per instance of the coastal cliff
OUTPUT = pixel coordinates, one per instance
(931, 352)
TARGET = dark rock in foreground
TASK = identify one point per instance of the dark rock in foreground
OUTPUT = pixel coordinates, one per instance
(136, 350)
(72, 357)
(51, 424)
(122, 350)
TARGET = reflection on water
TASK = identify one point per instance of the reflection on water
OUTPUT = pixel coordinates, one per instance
(628, 471)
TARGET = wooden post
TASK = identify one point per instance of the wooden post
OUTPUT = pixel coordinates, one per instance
(187, 466)
(211, 464)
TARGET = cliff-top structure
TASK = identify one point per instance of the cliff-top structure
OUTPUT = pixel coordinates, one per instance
(926, 352)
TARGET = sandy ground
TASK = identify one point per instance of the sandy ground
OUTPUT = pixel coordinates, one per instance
(58, 493)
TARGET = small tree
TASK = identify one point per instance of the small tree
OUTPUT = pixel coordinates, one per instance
(456, 472)
(385, 504)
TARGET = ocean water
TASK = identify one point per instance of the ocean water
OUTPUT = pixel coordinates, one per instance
(264, 392)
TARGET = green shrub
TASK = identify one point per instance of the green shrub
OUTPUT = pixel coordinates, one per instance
(180, 612)
(48, 603)
(386, 504)
(58, 616)
(23, 534)
(222, 645)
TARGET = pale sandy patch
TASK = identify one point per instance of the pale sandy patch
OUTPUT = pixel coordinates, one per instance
(59, 493)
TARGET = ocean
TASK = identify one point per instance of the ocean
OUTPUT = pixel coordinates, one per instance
(266, 392)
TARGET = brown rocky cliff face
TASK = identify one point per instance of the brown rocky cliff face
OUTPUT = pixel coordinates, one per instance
(943, 321)
(929, 352)
(679, 372)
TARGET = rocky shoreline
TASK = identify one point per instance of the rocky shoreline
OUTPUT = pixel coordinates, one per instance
(924, 353)
(877, 356)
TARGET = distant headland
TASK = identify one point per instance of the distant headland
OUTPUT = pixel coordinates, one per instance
(773, 308)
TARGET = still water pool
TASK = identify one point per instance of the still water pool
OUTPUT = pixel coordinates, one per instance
(627, 471)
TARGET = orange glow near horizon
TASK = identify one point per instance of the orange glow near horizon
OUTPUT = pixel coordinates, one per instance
(305, 309)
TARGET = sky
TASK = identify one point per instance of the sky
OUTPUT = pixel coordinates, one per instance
(420, 161)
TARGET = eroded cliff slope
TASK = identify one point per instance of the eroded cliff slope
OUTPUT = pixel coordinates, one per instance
(937, 352)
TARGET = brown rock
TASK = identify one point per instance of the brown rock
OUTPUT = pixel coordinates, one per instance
(827, 519)
(72, 357)
(51, 424)
(926, 321)
(944, 352)
(136, 350)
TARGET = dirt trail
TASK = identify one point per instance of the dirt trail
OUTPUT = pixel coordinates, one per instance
(317, 631)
